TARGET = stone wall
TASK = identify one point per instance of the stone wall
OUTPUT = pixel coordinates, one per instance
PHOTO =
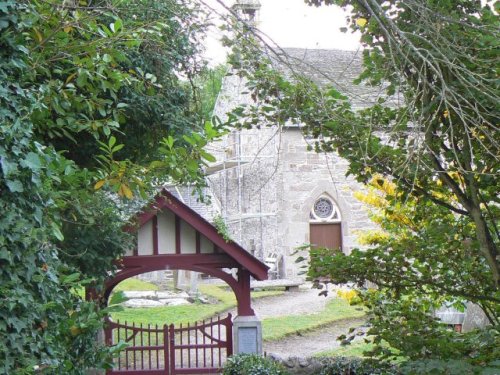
(299, 365)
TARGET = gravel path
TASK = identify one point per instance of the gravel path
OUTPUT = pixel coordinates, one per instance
(305, 301)
(310, 343)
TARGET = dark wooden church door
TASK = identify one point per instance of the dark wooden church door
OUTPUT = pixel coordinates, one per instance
(327, 235)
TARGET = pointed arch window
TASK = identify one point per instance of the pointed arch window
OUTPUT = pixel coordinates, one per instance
(325, 229)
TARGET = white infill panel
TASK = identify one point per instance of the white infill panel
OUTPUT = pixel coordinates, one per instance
(145, 239)
(129, 252)
(206, 246)
(166, 233)
(188, 239)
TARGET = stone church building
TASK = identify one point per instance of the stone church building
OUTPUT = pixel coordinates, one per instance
(273, 194)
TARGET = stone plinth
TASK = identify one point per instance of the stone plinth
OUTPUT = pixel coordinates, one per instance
(247, 335)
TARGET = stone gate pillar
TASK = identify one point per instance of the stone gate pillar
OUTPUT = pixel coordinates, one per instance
(247, 328)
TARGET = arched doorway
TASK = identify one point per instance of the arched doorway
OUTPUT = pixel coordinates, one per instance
(325, 224)
(170, 235)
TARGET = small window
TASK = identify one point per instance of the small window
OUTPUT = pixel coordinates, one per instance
(324, 210)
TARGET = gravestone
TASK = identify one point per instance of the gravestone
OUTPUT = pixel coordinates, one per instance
(474, 318)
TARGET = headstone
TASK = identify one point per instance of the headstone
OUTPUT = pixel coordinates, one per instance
(474, 318)
(450, 315)
(135, 302)
(147, 294)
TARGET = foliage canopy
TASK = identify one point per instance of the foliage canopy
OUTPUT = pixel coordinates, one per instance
(433, 133)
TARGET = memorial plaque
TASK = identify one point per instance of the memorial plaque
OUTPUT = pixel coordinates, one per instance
(247, 340)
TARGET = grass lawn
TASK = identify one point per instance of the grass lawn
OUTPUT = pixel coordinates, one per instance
(336, 309)
(187, 313)
(272, 328)
(133, 284)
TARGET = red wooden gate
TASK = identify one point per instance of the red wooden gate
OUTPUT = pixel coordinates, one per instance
(201, 348)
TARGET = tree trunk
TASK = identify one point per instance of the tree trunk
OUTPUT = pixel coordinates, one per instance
(486, 244)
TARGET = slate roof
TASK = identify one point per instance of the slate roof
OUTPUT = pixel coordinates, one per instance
(329, 67)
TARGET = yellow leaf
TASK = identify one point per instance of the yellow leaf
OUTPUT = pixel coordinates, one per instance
(361, 22)
(67, 29)
(70, 77)
(125, 191)
(38, 35)
(99, 184)
(74, 330)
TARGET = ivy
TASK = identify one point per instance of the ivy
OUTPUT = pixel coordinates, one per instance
(67, 76)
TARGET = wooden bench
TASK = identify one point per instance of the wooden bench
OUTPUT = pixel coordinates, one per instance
(289, 285)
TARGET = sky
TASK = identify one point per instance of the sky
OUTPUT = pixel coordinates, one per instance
(291, 23)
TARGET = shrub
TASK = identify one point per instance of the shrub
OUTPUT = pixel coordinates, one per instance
(354, 366)
(246, 364)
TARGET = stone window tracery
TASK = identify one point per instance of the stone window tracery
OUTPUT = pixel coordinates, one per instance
(324, 210)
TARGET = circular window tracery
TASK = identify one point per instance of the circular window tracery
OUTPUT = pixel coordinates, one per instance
(324, 209)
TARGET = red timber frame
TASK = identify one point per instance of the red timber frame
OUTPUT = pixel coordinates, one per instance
(226, 254)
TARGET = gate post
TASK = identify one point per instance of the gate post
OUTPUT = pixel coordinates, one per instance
(247, 335)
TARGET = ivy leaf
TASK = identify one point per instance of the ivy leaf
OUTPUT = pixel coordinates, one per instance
(15, 186)
(7, 166)
(4, 254)
(32, 161)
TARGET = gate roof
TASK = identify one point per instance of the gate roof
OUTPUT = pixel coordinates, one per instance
(168, 228)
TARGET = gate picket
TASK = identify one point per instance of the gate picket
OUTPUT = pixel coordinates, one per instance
(164, 350)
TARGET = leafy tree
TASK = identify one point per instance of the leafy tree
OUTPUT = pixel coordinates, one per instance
(439, 57)
(210, 82)
(68, 73)
(433, 133)
(413, 284)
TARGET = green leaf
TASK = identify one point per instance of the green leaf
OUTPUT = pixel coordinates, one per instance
(207, 156)
(32, 161)
(300, 259)
(116, 26)
(117, 298)
(15, 186)
(56, 231)
(71, 278)
(8, 167)
(4, 254)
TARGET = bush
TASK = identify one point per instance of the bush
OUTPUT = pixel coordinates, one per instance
(246, 364)
(354, 366)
